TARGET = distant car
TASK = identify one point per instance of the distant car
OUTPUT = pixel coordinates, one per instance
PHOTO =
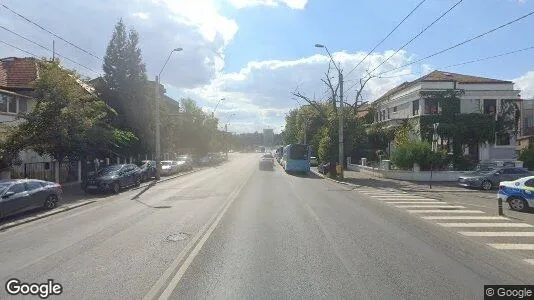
(519, 193)
(168, 167)
(204, 161)
(266, 162)
(148, 169)
(313, 161)
(489, 177)
(185, 162)
(19, 195)
(113, 178)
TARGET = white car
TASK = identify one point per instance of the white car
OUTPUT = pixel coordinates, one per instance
(313, 161)
(518, 193)
(168, 167)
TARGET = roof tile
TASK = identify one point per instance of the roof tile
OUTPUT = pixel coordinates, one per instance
(18, 72)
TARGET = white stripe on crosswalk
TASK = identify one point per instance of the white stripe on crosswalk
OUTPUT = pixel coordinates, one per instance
(513, 246)
(430, 206)
(409, 199)
(464, 218)
(508, 225)
(411, 202)
(530, 261)
(497, 233)
(459, 211)
(393, 196)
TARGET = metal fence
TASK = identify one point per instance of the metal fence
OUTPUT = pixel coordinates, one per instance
(38, 170)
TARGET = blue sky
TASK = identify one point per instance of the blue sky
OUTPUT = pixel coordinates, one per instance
(256, 52)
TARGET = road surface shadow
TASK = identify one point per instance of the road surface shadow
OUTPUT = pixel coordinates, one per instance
(144, 190)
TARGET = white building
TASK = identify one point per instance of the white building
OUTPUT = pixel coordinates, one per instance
(482, 95)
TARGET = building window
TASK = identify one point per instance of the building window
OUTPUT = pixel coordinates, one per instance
(415, 107)
(502, 139)
(389, 117)
(431, 107)
(23, 105)
(12, 105)
(490, 106)
(394, 109)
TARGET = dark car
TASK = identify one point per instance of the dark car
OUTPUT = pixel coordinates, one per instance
(113, 178)
(148, 169)
(487, 178)
(19, 195)
(266, 162)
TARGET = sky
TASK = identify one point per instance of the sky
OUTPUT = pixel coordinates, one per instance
(256, 53)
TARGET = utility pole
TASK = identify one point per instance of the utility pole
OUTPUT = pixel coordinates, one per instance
(53, 50)
(341, 154)
(158, 144)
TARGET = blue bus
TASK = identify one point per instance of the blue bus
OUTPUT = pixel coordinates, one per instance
(296, 158)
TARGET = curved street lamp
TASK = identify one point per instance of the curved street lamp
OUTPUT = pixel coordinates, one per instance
(156, 112)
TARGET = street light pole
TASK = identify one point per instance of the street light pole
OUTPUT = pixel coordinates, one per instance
(341, 158)
(157, 117)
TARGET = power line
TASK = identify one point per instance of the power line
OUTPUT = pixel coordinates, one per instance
(416, 36)
(52, 33)
(13, 46)
(467, 62)
(48, 49)
(460, 44)
(380, 43)
(455, 46)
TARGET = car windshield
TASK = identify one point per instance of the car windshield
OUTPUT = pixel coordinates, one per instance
(267, 156)
(4, 186)
(484, 171)
(109, 170)
(166, 163)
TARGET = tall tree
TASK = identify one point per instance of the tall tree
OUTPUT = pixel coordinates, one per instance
(125, 85)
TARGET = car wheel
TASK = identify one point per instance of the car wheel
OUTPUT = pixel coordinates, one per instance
(486, 185)
(50, 202)
(517, 204)
(115, 188)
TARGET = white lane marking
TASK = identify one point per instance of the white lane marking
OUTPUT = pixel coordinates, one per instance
(497, 233)
(464, 218)
(459, 211)
(409, 199)
(430, 206)
(394, 196)
(411, 202)
(507, 225)
(513, 246)
(203, 235)
(530, 261)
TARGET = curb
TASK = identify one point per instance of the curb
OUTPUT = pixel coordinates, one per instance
(61, 209)
(45, 215)
(326, 177)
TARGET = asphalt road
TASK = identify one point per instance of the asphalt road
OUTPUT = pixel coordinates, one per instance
(234, 232)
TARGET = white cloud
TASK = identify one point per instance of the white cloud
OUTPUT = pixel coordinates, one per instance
(526, 84)
(141, 15)
(260, 93)
(294, 4)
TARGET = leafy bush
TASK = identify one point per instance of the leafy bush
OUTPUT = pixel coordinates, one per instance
(527, 156)
(417, 152)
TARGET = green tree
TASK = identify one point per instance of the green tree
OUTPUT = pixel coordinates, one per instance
(125, 87)
(67, 121)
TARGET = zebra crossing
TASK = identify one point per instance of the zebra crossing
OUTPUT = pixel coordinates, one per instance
(498, 232)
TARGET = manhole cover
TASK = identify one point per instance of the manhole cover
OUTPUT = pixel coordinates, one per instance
(175, 237)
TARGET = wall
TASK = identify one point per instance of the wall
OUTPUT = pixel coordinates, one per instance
(450, 176)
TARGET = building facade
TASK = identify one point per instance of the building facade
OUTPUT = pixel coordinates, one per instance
(481, 95)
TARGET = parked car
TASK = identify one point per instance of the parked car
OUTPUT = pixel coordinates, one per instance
(487, 178)
(204, 160)
(19, 195)
(113, 178)
(185, 162)
(519, 193)
(148, 169)
(168, 167)
(313, 161)
(266, 162)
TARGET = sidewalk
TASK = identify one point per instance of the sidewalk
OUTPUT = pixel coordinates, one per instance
(359, 178)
